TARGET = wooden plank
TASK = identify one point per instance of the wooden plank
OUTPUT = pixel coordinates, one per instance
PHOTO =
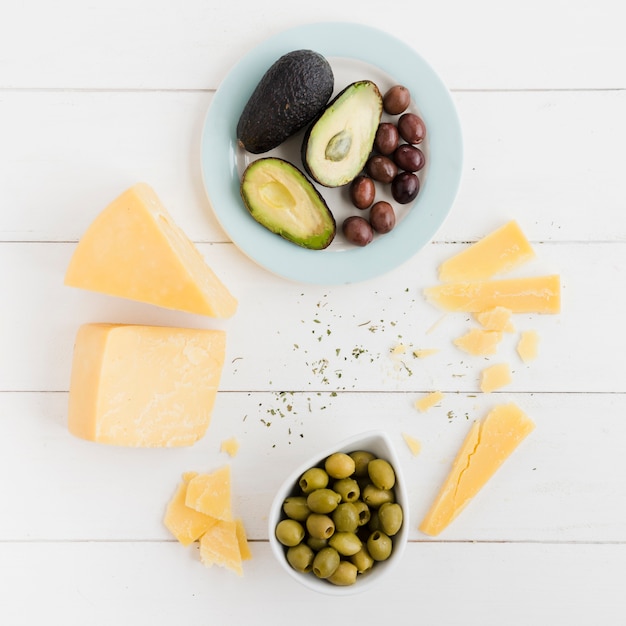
(157, 45)
(162, 583)
(554, 488)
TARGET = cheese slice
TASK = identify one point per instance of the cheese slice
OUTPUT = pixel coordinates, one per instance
(495, 377)
(488, 444)
(186, 524)
(501, 251)
(541, 294)
(528, 345)
(479, 342)
(133, 249)
(144, 386)
(210, 494)
(422, 353)
(428, 401)
(220, 546)
(412, 443)
(242, 540)
(498, 318)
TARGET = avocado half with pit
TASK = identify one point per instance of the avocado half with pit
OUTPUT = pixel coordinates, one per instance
(280, 197)
(289, 96)
(337, 145)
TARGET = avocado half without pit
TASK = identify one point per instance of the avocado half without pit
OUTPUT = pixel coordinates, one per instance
(338, 143)
(282, 199)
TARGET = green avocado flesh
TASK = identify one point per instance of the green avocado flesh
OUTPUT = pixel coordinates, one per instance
(283, 200)
(339, 142)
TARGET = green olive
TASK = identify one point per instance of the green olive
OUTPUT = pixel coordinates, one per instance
(361, 459)
(348, 489)
(326, 562)
(301, 557)
(289, 532)
(313, 478)
(295, 507)
(346, 517)
(374, 523)
(344, 575)
(390, 516)
(346, 544)
(379, 546)
(316, 543)
(363, 560)
(363, 512)
(381, 473)
(323, 500)
(339, 465)
(375, 497)
(320, 526)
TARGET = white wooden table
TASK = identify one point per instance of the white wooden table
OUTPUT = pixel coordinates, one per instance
(97, 96)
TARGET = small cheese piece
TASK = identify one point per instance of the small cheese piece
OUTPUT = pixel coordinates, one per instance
(220, 546)
(528, 345)
(230, 446)
(495, 377)
(242, 540)
(186, 524)
(134, 250)
(488, 444)
(210, 494)
(541, 294)
(498, 318)
(428, 401)
(424, 352)
(144, 386)
(479, 342)
(413, 444)
(501, 251)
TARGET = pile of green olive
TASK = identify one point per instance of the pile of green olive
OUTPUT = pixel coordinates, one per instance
(341, 517)
(396, 160)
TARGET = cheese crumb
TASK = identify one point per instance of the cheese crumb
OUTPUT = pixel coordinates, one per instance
(528, 344)
(413, 444)
(230, 446)
(495, 377)
(428, 401)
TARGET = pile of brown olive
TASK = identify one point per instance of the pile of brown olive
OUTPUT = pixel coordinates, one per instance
(341, 518)
(395, 161)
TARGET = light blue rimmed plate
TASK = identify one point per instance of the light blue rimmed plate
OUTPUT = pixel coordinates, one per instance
(355, 52)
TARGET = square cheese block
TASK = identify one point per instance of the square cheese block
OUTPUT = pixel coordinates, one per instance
(144, 386)
(487, 445)
(133, 249)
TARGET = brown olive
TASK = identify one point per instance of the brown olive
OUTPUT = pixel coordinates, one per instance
(411, 128)
(409, 158)
(382, 217)
(387, 138)
(405, 187)
(381, 168)
(357, 230)
(362, 192)
(396, 100)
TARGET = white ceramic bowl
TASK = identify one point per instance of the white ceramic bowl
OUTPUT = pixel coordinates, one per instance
(378, 443)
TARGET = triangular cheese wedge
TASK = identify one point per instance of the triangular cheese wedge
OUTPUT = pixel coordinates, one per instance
(220, 546)
(210, 494)
(134, 250)
(487, 445)
(186, 524)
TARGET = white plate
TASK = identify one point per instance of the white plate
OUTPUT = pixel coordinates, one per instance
(355, 52)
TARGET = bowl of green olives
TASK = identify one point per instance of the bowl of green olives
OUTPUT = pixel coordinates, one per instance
(339, 522)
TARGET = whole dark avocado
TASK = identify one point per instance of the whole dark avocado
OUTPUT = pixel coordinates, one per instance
(289, 95)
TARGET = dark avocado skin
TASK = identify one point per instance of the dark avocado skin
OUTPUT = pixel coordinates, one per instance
(290, 94)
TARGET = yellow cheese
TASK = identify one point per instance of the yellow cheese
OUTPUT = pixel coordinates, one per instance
(230, 446)
(428, 401)
(528, 345)
(186, 524)
(134, 250)
(413, 444)
(488, 444)
(501, 251)
(498, 318)
(210, 494)
(479, 342)
(540, 294)
(424, 352)
(144, 386)
(242, 540)
(495, 377)
(220, 546)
